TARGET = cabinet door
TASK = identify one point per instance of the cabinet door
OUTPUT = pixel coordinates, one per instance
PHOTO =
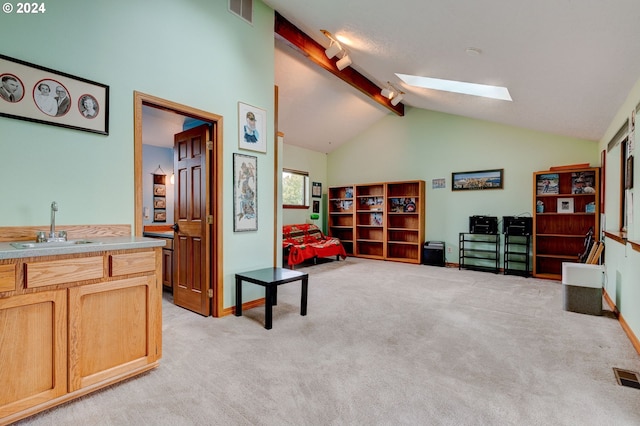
(113, 329)
(167, 268)
(33, 350)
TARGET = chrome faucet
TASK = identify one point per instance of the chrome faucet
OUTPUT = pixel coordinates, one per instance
(54, 236)
(54, 209)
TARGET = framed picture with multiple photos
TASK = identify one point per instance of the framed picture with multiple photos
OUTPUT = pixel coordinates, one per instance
(41, 95)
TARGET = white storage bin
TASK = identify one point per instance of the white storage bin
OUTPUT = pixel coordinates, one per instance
(582, 288)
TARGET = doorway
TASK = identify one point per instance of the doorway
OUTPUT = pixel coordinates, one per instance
(214, 273)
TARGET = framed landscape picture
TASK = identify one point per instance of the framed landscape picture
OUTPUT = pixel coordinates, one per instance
(482, 179)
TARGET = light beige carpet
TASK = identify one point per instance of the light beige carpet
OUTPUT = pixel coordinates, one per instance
(383, 344)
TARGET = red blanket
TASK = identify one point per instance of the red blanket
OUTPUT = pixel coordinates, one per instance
(306, 241)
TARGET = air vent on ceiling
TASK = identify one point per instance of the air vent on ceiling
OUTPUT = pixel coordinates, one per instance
(242, 8)
(627, 378)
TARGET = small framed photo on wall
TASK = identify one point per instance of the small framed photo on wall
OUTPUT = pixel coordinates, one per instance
(316, 189)
(252, 127)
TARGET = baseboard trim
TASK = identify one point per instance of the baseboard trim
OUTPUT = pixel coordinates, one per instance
(231, 310)
(634, 339)
(623, 323)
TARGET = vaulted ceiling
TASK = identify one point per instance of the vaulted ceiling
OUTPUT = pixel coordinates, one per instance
(568, 64)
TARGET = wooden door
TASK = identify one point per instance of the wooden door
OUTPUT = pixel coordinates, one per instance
(191, 251)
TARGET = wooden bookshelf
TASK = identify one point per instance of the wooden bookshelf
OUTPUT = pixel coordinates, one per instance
(405, 221)
(570, 201)
(341, 215)
(370, 220)
(380, 220)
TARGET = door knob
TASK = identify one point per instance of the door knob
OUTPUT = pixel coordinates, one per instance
(175, 227)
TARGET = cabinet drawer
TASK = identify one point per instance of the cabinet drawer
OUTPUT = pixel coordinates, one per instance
(7, 277)
(40, 274)
(132, 263)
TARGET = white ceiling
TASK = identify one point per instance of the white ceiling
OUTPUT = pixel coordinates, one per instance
(568, 64)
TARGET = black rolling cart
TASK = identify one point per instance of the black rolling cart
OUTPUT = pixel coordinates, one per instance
(480, 252)
(517, 254)
(517, 245)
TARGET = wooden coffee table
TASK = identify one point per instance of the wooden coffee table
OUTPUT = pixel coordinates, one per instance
(270, 279)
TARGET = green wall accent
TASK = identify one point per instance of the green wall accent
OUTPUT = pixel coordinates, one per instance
(429, 145)
(192, 52)
(622, 262)
(315, 163)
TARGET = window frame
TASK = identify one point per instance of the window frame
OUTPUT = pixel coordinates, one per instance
(306, 192)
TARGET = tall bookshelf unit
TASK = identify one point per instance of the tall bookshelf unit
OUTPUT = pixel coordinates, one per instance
(370, 220)
(341, 214)
(405, 221)
(566, 204)
(379, 220)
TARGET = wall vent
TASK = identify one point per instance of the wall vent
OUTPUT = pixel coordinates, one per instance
(627, 378)
(242, 8)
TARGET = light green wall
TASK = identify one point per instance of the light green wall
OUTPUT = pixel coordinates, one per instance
(622, 263)
(315, 163)
(429, 145)
(191, 52)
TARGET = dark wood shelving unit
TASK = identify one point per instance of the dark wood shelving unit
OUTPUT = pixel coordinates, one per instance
(570, 200)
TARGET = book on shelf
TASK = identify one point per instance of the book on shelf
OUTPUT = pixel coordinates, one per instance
(548, 184)
(348, 193)
(372, 203)
(407, 205)
(342, 205)
(376, 219)
(583, 182)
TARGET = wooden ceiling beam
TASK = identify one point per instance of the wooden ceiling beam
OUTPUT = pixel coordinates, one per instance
(315, 52)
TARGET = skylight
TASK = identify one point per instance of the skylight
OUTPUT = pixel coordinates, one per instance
(483, 90)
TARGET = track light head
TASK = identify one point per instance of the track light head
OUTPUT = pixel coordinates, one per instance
(344, 62)
(387, 93)
(395, 101)
(333, 50)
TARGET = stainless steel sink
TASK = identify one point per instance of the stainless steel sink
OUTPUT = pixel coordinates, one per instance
(31, 245)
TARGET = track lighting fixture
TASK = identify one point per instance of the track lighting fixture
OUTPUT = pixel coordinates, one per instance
(396, 100)
(388, 92)
(394, 95)
(344, 62)
(335, 48)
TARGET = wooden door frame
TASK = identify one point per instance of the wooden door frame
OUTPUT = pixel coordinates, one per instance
(216, 200)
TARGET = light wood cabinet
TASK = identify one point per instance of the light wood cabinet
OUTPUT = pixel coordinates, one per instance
(566, 204)
(383, 221)
(72, 324)
(111, 330)
(33, 350)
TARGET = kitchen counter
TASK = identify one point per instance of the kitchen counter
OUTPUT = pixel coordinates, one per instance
(76, 319)
(7, 251)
